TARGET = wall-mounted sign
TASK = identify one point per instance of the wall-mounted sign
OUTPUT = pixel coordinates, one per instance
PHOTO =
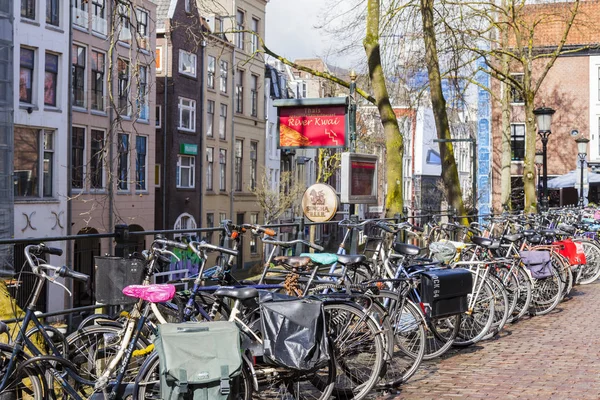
(189, 149)
(359, 178)
(320, 202)
(313, 123)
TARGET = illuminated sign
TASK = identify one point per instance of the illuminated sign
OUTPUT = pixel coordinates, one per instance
(313, 123)
(359, 178)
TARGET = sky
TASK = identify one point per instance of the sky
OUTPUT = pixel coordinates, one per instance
(290, 29)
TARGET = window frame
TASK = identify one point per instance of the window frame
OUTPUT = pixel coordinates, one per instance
(141, 163)
(239, 92)
(43, 181)
(210, 81)
(28, 9)
(53, 12)
(142, 100)
(223, 77)
(254, 40)
(253, 241)
(123, 83)
(210, 118)
(513, 141)
(78, 158)
(240, 18)
(193, 58)
(222, 121)
(513, 91)
(253, 164)
(28, 67)
(238, 165)
(191, 108)
(79, 85)
(97, 72)
(192, 171)
(97, 154)
(210, 163)
(158, 58)
(222, 170)
(254, 95)
(54, 74)
(123, 163)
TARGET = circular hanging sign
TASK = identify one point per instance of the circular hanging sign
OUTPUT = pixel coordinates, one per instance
(319, 202)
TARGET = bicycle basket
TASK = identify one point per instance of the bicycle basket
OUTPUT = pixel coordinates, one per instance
(112, 274)
(538, 263)
(294, 333)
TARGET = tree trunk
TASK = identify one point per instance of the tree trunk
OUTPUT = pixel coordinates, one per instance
(528, 167)
(449, 169)
(393, 138)
(506, 158)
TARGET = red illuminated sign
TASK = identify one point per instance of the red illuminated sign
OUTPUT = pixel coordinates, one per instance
(316, 126)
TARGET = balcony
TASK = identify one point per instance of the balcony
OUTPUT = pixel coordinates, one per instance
(80, 18)
(99, 25)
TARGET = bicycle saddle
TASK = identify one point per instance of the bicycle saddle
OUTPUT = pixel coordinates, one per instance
(406, 249)
(293, 262)
(351, 259)
(512, 238)
(243, 293)
(151, 293)
(481, 241)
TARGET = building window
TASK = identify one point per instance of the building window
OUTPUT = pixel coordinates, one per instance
(156, 175)
(253, 244)
(210, 223)
(210, 118)
(142, 29)
(184, 222)
(50, 78)
(254, 95)
(185, 171)
(517, 141)
(187, 114)
(28, 9)
(222, 121)
(125, 31)
(97, 81)
(34, 152)
(158, 58)
(141, 150)
(158, 117)
(304, 90)
(209, 167)
(222, 217)
(224, 70)
(123, 71)
(187, 63)
(187, 6)
(52, 12)
(123, 167)
(238, 165)
(77, 157)
(253, 164)
(78, 69)
(239, 92)
(142, 100)
(211, 72)
(222, 169)
(254, 40)
(99, 24)
(219, 27)
(516, 96)
(239, 35)
(97, 160)
(26, 75)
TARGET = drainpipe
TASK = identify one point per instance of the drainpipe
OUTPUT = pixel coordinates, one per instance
(164, 147)
(69, 249)
(200, 146)
(232, 152)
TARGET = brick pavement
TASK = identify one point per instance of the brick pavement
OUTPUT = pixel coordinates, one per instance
(555, 356)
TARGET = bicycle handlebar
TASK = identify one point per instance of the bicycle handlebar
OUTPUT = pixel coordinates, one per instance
(170, 243)
(292, 242)
(197, 247)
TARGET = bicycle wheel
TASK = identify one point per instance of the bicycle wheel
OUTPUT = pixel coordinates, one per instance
(23, 383)
(525, 292)
(476, 322)
(501, 306)
(406, 348)
(590, 272)
(147, 384)
(546, 293)
(441, 334)
(358, 349)
(562, 265)
(509, 278)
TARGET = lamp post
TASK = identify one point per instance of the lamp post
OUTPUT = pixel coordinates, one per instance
(581, 152)
(544, 121)
(539, 160)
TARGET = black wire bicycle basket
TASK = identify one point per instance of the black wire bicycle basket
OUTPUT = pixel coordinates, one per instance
(112, 275)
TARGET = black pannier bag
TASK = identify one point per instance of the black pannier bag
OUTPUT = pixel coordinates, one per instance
(294, 333)
(446, 290)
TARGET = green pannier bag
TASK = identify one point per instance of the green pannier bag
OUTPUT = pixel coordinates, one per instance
(199, 360)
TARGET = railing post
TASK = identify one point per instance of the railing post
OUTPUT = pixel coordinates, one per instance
(123, 240)
(354, 238)
(300, 234)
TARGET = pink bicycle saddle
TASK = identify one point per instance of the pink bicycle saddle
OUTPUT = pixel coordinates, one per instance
(151, 293)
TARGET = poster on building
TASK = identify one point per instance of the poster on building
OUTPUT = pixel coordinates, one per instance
(312, 125)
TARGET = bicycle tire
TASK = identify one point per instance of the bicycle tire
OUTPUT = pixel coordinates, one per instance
(525, 290)
(24, 383)
(475, 323)
(501, 306)
(591, 270)
(546, 293)
(354, 379)
(441, 334)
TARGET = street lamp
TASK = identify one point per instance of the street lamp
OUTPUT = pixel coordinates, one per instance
(539, 160)
(581, 152)
(544, 122)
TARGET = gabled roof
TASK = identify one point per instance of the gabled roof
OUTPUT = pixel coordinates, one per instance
(165, 9)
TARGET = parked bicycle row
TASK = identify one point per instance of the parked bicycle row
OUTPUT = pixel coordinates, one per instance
(314, 325)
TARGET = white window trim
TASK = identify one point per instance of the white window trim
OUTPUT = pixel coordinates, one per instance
(177, 225)
(191, 167)
(128, 181)
(192, 109)
(195, 60)
(510, 88)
